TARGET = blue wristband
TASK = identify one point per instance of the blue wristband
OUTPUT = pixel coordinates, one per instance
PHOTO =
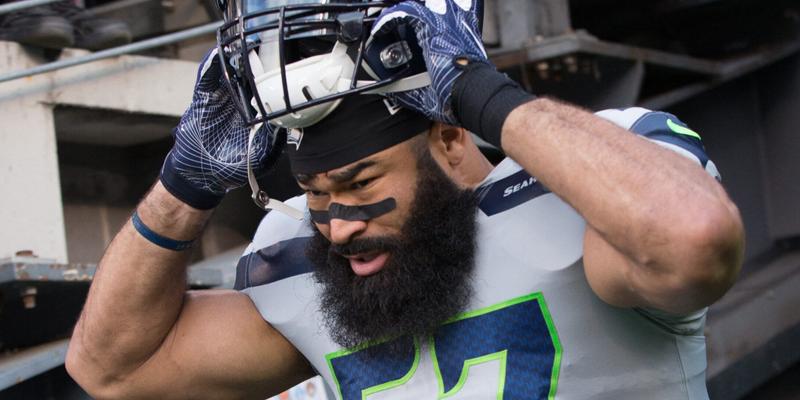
(156, 239)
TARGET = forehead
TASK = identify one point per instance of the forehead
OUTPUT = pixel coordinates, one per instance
(399, 155)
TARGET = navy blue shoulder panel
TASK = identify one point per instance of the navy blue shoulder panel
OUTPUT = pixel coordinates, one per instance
(279, 261)
(509, 192)
(665, 127)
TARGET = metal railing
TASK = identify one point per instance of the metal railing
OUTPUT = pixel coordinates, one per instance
(21, 5)
(99, 55)
(113, 52)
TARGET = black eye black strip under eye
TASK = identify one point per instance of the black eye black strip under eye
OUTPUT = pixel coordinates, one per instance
(353, 213)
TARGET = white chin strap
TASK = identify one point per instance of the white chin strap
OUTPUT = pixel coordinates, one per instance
(313, 78)
(259, 196)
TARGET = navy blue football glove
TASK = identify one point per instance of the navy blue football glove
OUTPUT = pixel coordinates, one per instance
(446, 30)
(210, 152)
(465, 88)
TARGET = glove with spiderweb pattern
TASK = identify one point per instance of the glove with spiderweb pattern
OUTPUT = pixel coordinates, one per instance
(210, 155)
(465, 88)
(446, 30)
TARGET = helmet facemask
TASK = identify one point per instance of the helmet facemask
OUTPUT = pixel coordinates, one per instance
(291, 64)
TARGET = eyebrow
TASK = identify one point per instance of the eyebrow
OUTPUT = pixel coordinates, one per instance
(350, 173)
(305, 179)
(338, 177)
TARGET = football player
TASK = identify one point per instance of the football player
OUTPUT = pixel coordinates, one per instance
(581, 266)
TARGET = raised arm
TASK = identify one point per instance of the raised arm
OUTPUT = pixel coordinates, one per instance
(141, 334)
(662, 233)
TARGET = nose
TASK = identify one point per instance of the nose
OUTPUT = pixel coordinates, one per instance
(342, 231)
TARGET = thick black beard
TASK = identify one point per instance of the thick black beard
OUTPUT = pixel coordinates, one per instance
(427, 278)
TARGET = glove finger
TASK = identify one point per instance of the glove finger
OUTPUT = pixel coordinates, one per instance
(467, 10)
(387, 26)
(466, 5)
(437, 6)
(210, 72)
(391, 17)
(261, 145)
(271, 142)
(468, 24)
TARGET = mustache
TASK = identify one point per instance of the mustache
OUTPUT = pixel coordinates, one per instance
(365, 245)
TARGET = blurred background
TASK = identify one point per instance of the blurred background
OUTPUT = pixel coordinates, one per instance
(86, 117)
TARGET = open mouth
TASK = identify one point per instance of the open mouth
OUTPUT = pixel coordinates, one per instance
(367, 263)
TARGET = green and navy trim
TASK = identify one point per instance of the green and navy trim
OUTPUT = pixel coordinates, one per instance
(273, 263)
(518, 334)
(667, 128)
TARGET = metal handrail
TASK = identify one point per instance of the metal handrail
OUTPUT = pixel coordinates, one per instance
(21, 5)
(115, 51)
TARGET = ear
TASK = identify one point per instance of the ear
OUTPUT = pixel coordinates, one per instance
(448, 142)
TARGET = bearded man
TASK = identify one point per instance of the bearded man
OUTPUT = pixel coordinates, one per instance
(579, 267)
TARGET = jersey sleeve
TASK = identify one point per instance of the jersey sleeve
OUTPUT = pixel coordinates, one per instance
(690, 324)
(276, 250)
(665, 130)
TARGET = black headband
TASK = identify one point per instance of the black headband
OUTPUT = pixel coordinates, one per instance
(360, 126)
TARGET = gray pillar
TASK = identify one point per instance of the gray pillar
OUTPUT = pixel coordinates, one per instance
(522, 20)
(31, 210)
(30, 205)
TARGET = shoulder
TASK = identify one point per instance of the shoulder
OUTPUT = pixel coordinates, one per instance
(664, 129)
(510, 198)
(652, 124)
(506, 187)
(275, 273)
(276, 226)
(277, 250)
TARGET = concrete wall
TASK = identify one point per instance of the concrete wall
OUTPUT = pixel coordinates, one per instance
(31, 212)
(30, 209)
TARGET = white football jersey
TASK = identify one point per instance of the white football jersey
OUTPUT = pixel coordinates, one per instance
(533, 328)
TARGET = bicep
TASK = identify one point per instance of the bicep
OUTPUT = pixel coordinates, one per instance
(619, 281)
(220, 347)
(607, 271)
(677, 281)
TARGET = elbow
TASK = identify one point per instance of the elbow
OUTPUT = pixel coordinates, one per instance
(82, 372)
(714, 250)
(95, 381)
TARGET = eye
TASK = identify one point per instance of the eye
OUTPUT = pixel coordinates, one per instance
(361, 184)
(315, 193)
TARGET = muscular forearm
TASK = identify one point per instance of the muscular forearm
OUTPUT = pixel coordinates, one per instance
(137, 292)
(653, 205)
